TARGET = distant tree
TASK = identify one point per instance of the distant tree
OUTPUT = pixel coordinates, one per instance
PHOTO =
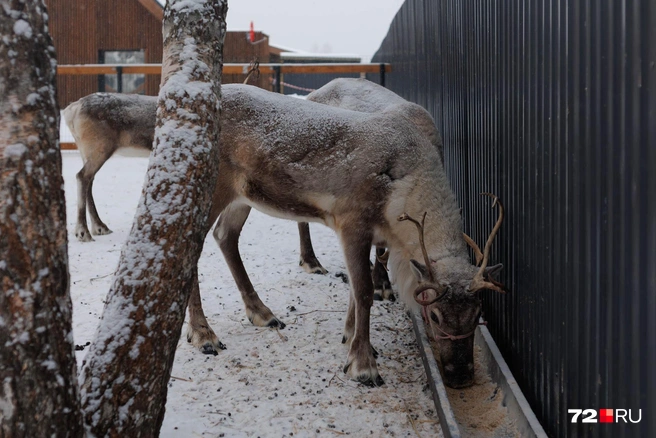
(38, 386)
(124, 381)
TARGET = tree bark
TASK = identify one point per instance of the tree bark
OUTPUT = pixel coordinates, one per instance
(124, 380)
(38, 387)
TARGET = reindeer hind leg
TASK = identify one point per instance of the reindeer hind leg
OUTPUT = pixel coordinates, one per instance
(98, 227)
(309, 261)
(226, 234)
(382, 284)
(199, 332)
(94, 158)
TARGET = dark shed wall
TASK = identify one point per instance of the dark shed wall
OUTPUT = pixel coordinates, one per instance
(551, 104)
(81, 29)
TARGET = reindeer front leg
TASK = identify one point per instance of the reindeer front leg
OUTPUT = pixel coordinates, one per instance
(226, 234)
(361, 361)
(199, 333)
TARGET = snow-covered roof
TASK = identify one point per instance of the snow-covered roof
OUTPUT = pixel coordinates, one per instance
(335, 57)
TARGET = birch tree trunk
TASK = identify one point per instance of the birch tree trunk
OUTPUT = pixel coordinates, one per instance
(38, 387)
(124, 380)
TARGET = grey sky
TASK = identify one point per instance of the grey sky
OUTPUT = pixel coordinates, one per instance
(343, 26)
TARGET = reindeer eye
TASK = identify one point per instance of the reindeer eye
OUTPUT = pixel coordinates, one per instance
(435, 318)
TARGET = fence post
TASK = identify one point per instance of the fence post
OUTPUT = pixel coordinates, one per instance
(382, 74)
(119, 79)
(276, 79)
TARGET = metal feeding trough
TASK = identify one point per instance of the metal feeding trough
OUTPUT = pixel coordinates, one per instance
(519, 414)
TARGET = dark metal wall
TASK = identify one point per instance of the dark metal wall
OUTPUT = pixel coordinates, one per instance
(551, 104)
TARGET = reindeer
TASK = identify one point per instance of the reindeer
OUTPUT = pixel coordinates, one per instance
(365, 96)
(357, 173)
(103, 124)
(130, 128)
(362, 95)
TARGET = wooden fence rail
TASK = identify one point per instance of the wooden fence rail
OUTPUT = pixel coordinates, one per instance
(278, 70)
(155, 69)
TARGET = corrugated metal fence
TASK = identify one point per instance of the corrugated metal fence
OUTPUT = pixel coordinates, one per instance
(552, 106)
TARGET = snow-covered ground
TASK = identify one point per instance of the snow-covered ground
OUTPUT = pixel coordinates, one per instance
(267, 383)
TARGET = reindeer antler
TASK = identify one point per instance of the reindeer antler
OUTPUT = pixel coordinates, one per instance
(432, 284)
(420, 229)
(254, 67)
(479, 282)
(477, 251)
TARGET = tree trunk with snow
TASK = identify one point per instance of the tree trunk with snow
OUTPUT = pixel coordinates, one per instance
(124, 381)
(38, 387)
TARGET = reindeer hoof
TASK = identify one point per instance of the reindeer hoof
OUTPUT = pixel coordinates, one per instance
(343, 276)
(208, 348)
(313, 267)
(368, 381)
(276, 323)
(375, 353)
(383, 294)
(101, 231)
(83, 236)
(344, 339)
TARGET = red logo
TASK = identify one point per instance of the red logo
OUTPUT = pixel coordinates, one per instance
(606, 416)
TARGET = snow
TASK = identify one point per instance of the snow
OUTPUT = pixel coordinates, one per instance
(23, 28)
(267, 383)
(14, 151)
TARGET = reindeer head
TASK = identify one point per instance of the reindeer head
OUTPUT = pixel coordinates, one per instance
(452, 305)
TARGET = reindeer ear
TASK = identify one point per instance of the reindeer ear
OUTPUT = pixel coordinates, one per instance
(492, 270)
(420, 271)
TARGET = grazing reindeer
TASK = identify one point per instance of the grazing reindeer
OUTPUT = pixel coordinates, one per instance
(356, 173)
(451, 311)
(365, 96)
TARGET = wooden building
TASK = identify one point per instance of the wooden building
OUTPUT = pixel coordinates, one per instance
(128, 31)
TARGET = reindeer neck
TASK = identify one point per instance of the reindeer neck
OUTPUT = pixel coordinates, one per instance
(431, 193)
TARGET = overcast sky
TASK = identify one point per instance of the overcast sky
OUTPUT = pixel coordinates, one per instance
(337, 26)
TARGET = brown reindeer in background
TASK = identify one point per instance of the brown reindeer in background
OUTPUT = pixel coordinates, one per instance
(356, 173)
